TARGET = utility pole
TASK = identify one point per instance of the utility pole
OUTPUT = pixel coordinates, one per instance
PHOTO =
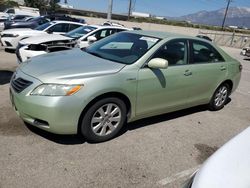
(110, 10)
(225, 16)
(129, 8)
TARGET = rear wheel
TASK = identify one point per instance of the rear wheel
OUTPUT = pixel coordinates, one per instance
(220, 97)
(104, 120)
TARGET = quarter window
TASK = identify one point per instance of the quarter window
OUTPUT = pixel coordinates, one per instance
(175, 52)
(204, 53)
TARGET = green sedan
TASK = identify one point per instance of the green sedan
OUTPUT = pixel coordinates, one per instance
(122, 78)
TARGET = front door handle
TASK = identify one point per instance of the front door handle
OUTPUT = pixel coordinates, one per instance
(188, 73)
(222, 68)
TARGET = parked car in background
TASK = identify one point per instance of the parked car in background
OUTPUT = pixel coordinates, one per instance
(64, 17)
(204, 37)
(99, 33)
(17, 18)
(228, 167)
(33, 23)
(21, 10)
(109, 23)
(11, 37)
(245, 51)
(2, 20)
(82, 37)
(122, 78)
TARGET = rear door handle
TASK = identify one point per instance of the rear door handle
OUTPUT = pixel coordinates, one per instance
(222, 68)
(188, 73)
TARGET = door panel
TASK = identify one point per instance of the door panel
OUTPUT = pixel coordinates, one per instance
(161, 90)
(208, 71)
(205, 79)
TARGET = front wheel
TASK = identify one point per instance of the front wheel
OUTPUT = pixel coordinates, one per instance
(220, 97)
(104, 119)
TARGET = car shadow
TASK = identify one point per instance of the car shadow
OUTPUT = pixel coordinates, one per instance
(5, 76)
(59, 139)
(246, 59)
(78, 139)
(164, 117)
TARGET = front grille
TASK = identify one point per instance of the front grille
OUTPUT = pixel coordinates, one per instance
(8, 44)
(20, 84)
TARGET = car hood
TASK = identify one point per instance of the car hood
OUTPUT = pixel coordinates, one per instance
(23, 31)
(68, 65)
(44, 38)
(228, 167)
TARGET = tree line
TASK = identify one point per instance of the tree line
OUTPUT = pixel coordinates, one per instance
(42, 5)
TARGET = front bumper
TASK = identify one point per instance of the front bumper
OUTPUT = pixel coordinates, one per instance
(58, 115)
(24, 54)
(9, 42)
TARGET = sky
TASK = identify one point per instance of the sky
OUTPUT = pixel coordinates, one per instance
(171, 8)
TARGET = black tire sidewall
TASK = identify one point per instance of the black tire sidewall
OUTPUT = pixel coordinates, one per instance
(86, 129)
(212, 105)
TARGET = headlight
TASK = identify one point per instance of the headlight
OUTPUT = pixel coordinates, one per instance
(56, 90)
(10, 35)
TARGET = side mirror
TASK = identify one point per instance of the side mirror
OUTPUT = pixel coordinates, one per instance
(91, 39)
(49, 31)
(158, 63)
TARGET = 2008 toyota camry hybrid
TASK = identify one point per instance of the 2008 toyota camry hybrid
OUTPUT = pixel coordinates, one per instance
(122, 78)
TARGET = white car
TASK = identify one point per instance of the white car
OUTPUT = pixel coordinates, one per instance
(80, 37)
(228, 167)
(11, 37)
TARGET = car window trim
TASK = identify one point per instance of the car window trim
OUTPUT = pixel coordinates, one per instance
(202, 63)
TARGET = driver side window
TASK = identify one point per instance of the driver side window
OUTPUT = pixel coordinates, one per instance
(175, 52)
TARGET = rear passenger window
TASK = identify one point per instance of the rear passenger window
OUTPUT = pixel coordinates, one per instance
(202, 52)
(175, 52)
(73, 26)
(60, 28)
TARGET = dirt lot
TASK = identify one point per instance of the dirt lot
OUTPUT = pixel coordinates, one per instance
(155, 152)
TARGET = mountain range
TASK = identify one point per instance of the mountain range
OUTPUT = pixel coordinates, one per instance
(237, 16)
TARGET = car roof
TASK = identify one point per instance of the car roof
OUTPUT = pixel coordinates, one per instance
(108, 27)
(63, 21)
(161, 35)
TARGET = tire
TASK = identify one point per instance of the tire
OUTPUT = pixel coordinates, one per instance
(104, 119)
(220, 97)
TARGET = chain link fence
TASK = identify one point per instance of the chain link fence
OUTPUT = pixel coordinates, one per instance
(228, 39)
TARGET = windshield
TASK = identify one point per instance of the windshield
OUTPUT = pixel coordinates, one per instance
(44, 26)
(125, 48)
(80, 31)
